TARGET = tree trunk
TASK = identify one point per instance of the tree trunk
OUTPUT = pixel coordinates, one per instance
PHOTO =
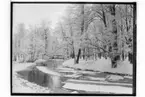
(115, 57)
(126, 20)
(73, 51)
(82, 31)
(83, 53)
(78, 56)
(72, 54)
(103, 17)
(46, 42)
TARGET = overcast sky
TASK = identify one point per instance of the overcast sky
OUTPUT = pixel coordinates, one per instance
(31, 14)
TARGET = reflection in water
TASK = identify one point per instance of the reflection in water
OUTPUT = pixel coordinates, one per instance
(34, 75)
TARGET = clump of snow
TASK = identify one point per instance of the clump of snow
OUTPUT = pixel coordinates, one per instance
(74, 92)
(102, 64)
(129, 77)
(114, 77)
(73, 75)
(94, 78)
(87, 72)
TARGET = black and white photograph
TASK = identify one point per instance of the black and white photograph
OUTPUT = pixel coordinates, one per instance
(73, 48)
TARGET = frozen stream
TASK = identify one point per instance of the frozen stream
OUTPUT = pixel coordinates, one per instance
(72, 81)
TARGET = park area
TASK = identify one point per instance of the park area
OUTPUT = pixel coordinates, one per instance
(86, 48)
(86, 77)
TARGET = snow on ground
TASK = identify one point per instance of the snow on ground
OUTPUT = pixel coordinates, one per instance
(124, 67)
(72, 75)
(21, 66)
(74, 92)
(66, 70)
(23, 86)
(103, 65)
(20, 85)
(87, 72)
(97, 82)
(98, 88)
(93, 85)
(47, 71)
(129, 77)
(94, 78)
(40, 61)
(114, 77)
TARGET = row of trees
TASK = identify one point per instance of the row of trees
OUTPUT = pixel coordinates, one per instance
(87, 31)
(33, 43)
(95, 30)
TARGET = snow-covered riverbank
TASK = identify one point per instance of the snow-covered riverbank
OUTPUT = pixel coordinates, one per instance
(102, 65)
(74, 81)
(23, 86)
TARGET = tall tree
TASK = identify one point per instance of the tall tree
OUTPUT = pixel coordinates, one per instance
(18, 41)
(115, 56)
(45, 34)
(82, 30)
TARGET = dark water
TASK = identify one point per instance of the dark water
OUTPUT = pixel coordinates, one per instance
(32, 74)
(36, 76)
